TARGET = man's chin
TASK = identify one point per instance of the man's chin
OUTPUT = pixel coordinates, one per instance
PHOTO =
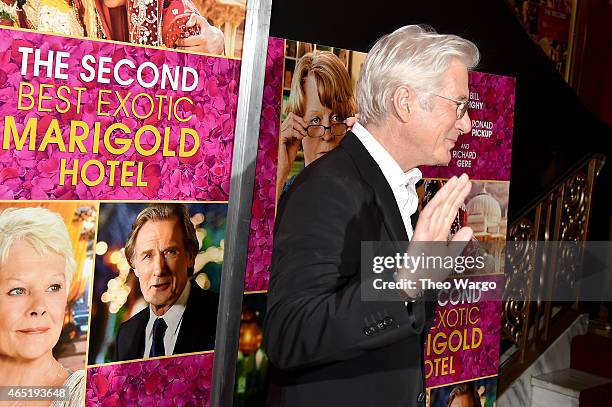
(160, 299)
(160, 307)
(443, 163)
(447, 159)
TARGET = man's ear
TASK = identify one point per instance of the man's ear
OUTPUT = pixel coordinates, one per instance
(135, 272)
(401, 102)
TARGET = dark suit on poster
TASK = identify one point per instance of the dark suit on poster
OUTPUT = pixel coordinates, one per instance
(196, 334)
(329, 347)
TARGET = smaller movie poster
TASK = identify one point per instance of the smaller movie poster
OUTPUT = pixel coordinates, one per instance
(463, 343)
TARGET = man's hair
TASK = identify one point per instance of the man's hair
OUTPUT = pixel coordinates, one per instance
(413, 55)
(164, 211)
(464, 389)
(43, 229)
(333, 84)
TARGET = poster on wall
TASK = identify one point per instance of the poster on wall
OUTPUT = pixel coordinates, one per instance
(117, 122)
(549, 25)
(463, 344)
(252, 373)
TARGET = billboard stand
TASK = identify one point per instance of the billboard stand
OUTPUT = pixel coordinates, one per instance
(241, 190)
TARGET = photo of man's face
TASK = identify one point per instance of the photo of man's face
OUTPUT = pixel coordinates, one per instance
(161, 262)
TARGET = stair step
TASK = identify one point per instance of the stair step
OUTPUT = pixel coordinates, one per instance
(587, 355)
(563, 387)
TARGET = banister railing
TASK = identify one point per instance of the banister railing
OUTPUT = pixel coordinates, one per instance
(562, 213)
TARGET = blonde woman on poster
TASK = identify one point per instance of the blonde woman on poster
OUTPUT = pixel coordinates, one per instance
(320, 111)
(36, 267)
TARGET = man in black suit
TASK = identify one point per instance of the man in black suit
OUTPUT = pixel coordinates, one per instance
(328, 346)
(181, 317)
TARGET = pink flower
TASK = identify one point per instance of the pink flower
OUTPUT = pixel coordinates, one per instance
(6, 192)
(100, 384)
(177, 381)
(152, 383)
(111, 401)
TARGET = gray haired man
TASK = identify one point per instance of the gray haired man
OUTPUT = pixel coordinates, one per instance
(328, 346)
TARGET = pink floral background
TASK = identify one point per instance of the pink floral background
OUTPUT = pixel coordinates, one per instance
(177, 381)
(494, 153)
(494, 156)
(204, 176)
(186, 380)
(264, 193)
(483, 360)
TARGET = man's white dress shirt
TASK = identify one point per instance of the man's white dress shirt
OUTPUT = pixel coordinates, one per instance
(403, 184)
(173, 318)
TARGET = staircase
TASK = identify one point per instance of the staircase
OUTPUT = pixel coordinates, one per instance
(575, 370)
(586, 383)
(550, 359)
(563, 388)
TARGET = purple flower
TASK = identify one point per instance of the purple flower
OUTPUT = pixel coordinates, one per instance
(177, 381)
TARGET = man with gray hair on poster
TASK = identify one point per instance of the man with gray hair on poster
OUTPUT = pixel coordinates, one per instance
(180, 318)
(327, 345)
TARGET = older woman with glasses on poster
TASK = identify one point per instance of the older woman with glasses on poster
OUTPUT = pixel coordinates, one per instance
(319, 111)
(36, 266)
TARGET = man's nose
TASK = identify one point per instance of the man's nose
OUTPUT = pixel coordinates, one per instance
(465, 123)
(159, 265)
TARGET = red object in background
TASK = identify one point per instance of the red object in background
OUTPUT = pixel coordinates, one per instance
(176, 14)
(6, 21)
(143, 21)
(463, 215)
(460, 220)
(553, 23)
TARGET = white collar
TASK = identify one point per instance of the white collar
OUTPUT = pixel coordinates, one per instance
(174, 315)
(394, 174)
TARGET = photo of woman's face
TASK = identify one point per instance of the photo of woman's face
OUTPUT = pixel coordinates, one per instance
(317, 114)
(33, 297)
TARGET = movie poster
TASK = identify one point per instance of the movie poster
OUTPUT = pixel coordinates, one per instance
(463, 343)
(123, 152)
(462, 348)
(252, 364)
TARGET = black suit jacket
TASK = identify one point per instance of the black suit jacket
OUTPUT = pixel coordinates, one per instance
(326, 345)
(197, 332)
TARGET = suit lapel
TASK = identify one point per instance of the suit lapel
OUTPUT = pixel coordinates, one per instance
(137, 347)
(184, 341)
(373, 176)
